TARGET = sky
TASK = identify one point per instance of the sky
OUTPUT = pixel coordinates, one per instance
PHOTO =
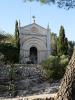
(12, 10)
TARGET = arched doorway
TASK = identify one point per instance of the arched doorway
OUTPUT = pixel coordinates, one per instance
(33, 55)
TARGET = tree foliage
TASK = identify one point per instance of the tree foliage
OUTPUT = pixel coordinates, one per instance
(71, 45)
(17, 39)
(4, 36)
(55, 66)
(17, 33)
(67, 4)
(62, 46)
(42, 1)
(10, 52)
(53, 44)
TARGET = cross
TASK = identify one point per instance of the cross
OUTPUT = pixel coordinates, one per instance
(33, 18)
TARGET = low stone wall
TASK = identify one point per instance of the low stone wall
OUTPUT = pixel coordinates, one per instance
(29, 71)
(25, 76)
(4, 72)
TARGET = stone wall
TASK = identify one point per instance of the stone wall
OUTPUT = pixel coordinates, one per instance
(67, 83)
(24, 77)
(4, 80)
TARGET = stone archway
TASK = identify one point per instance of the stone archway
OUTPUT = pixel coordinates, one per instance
(33, 55)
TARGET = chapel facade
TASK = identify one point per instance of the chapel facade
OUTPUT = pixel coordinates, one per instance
(34, 43)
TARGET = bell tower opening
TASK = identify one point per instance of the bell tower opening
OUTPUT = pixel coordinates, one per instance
(33, 55)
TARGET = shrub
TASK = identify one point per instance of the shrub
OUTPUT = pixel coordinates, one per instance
(10, 52)
(63, 63)
(55, 66)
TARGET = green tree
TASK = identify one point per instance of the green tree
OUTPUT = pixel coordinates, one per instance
(53, 44)
(55, 66)
(61, 40)
(62, 44)
(66, 46)
(71, 45)
(17, 39)
(17, 33)
(3, 36)
(67, 4)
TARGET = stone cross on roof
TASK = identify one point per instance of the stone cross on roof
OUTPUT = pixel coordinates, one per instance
(33, 18)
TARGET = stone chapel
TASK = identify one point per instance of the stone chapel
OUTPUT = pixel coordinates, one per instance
(34, 43)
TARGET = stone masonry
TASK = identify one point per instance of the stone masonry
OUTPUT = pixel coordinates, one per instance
(34, 36)
(25, 77)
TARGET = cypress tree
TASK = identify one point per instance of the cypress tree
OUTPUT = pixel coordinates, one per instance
(66, 46)
(16, 29)
(17, 37)
(53, 44)
(62, 42)
(17, 34)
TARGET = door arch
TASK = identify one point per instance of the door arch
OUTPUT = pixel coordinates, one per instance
(33, 55)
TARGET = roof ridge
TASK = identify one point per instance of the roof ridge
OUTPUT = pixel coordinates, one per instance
(33, 24)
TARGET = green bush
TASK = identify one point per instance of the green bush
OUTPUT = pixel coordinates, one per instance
(10, 52)
(55, 66)
(63, 63)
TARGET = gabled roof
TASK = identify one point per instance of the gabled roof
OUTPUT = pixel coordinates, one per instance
(35, 25)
